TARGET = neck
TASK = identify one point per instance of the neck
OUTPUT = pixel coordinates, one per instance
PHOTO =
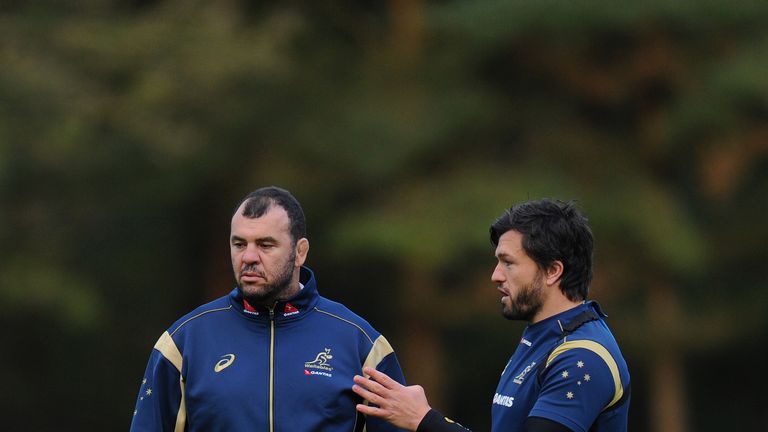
(290, 291)
(555, 304)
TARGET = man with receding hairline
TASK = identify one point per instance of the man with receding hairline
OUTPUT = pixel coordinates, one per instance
(272, 355)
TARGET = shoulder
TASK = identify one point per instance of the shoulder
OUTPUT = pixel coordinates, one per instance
(341, 315)
(373, 348)
(201, 313)
(595, 338)
(581, 353)
(171, 343)
(592, 359)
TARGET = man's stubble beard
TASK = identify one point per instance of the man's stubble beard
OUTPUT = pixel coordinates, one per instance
(268, 294)
(527, 303)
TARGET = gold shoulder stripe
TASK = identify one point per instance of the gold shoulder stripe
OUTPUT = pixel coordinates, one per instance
(600, 351)
(381, 348)
(181, 417)
(346, 321)
(169, 350)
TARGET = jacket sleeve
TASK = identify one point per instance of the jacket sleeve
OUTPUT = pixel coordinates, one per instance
(383, 359)
(436, 422)
(160, 405)
(579, 382)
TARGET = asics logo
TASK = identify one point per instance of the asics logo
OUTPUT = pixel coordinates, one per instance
(224, 363)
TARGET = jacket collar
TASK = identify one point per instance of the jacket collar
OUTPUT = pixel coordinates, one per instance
(294, 308)
(555, 325)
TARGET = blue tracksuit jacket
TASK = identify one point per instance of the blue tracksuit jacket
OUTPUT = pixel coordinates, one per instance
(229, 367)
(567, 370)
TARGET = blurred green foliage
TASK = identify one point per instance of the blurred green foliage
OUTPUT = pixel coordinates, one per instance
(128, 130)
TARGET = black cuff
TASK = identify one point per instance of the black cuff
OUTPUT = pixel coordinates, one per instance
(540, 424)
(436, 422)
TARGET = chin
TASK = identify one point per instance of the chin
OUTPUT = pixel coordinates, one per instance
(253, 290)
(517, 314)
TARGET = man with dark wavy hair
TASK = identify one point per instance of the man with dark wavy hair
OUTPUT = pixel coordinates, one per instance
(567, 373)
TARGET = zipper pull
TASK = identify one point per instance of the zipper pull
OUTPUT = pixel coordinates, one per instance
(272, 311)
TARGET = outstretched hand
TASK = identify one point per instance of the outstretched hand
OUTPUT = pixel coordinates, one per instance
(402, 406)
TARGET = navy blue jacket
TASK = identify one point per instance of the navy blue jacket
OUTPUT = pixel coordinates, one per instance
(228, 367)
(577, 378)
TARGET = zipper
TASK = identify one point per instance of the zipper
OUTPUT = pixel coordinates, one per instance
(272, 368)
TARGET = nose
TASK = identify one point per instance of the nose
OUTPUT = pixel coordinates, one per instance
(498, 275)
(251, 255)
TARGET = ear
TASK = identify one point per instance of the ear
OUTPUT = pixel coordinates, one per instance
(302, 249)
(554, 272)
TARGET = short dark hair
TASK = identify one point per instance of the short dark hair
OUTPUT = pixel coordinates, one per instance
(261, 200)
(553, 231)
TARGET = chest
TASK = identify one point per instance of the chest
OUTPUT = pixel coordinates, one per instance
(518, 388)
(265, 377)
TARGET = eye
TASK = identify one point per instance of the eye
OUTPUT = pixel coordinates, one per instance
(238, 245)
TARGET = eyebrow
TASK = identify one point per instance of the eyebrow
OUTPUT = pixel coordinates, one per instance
(267, 239)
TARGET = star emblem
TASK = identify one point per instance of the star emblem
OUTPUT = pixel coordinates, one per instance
(141, 398)
(565, 374)
(587, 377)
(144, 381)
(149, 392)
(580, 364)
(578, 382)
(135, 411)
(569, 395)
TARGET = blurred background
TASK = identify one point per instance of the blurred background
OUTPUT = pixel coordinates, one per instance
(130, 128)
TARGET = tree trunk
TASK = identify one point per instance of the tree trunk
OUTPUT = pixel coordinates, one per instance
(668, 413)
(422, 354)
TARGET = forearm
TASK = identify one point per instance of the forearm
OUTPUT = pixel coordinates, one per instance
(434, 421)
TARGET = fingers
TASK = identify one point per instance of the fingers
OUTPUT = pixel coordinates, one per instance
(381, 377)
(370, 411)
(367, 395)
(370, 385)
(377, 389)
